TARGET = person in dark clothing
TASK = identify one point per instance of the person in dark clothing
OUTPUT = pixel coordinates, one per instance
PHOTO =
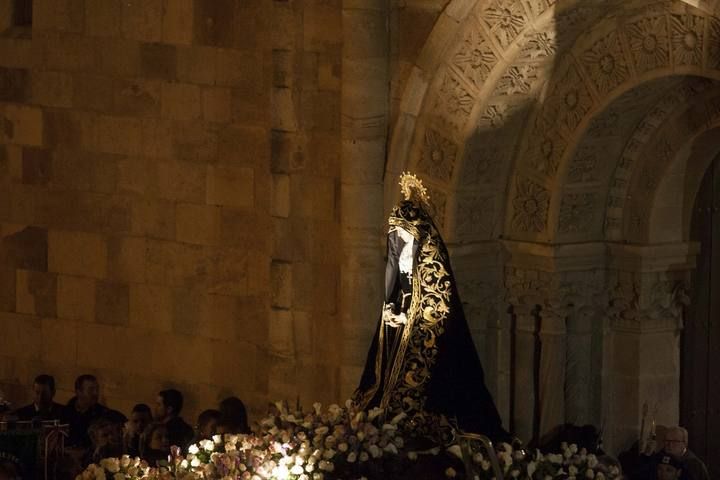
(207, 424)
(168, 406)
(140, 418)
(105, 433)
(668, 467)
(155, 444)
(233, 416)
(82, 410)
(676, 444)
(43, 406)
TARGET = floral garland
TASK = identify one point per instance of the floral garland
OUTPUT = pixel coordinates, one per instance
(333, 444)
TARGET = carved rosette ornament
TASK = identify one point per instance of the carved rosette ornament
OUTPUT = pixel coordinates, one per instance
(530, 206)
(648, 39)
(577, 212)
(505, 19)
(687, 39)
(606, 63)
(438, 156)
(475, 58)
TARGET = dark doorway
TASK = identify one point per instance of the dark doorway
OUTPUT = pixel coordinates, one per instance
(700, 377)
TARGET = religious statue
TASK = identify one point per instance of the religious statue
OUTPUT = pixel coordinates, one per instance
(422, 361)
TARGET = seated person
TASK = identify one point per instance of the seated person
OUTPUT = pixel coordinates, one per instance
(106, 436)
(207, 424)
(676, 444)
(668, 467)
(140, 418)
(82, 410)
(155, 446)
(168, 406)
(43, 406)
(233, 416)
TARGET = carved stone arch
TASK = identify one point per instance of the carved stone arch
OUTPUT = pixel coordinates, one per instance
(669, 212)
(581, 96)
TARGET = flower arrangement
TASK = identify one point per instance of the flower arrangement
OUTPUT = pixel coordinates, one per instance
(337, 443)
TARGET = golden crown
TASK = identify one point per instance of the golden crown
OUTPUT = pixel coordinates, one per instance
(412, 188)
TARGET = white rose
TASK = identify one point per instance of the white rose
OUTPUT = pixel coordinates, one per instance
(317, 406)
(412, 456)
(352, 457)
(343, 447)
(217, 439)
(193, 449)
(391, 448)
(363, 457)
(573, 448)
(297, 470)
(572, 470)
(112, 465)
(375, 451)
(374, 413)
(590, 473)
(195, 462)
(592, 461)
(450, 472)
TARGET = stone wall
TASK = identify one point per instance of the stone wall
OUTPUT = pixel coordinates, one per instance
(169, 175)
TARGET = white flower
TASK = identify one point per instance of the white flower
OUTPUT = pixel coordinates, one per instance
(297, 470)
(363, 457)
(374, 413)
(125, 461)
(600, 476)
(590, 473)
(184, 464)
(450, 472)
(207, 445)
(592, 461)
(391, 448)
(375, 451)
(343, 447)
(572, 470)
(100, 474)
(195, 462)
(352, 456)
(217, 439)
(398, 418)
(193, 449)
(112, 465)
(455, 450)
(412, 456)
(317, 406)
(119, 476)
(573, 448)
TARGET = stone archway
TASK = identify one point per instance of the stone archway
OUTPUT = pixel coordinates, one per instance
(505, 116)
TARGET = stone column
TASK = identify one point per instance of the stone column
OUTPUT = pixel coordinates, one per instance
(524, 296)
(552, 382)
(648, 285)
(365, 107)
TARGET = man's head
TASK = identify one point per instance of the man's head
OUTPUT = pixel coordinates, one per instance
(140, 418)
(87, 391)
(104, 433)
(676, 441)
(669, 467)
(207, 423)
(43, 390)
(168, 404)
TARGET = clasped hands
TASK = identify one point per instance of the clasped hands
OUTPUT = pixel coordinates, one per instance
(391, 319)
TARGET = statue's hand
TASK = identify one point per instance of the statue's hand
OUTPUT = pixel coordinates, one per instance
(390, 319)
